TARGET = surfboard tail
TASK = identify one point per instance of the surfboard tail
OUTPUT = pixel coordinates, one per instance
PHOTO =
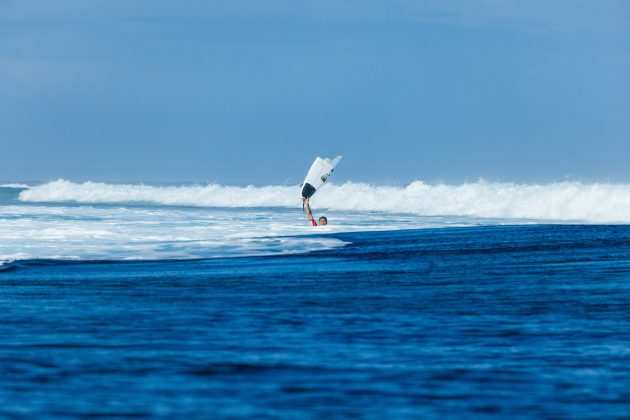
(308, 190)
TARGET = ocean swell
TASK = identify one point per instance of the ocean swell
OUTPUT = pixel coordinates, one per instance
(569, 201)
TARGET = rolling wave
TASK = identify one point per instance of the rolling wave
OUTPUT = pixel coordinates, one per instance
(559, 201)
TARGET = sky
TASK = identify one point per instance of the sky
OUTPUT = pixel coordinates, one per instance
(250, 91)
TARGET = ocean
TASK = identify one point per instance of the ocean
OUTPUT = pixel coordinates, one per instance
(480, 300)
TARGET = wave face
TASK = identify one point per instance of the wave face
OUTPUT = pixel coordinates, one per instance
(560, 201)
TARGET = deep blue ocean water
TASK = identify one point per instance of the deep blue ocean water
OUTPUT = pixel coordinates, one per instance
(489, 321)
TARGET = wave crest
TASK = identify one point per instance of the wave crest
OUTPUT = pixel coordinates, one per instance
(577, 201)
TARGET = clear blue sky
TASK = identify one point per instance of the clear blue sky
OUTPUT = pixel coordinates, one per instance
(250, 91)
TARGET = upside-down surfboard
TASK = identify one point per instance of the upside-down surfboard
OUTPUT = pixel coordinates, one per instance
(318, 174)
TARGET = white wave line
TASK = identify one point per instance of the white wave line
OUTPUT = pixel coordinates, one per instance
(591, 202)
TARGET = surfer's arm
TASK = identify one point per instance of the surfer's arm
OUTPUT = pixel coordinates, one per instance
(307, 207)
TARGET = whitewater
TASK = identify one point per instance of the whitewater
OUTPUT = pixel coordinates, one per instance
(561, 201)
(65, 220)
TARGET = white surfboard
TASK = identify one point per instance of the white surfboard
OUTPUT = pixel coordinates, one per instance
(318, 174)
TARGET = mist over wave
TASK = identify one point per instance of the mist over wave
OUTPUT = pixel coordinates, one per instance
(570, 201)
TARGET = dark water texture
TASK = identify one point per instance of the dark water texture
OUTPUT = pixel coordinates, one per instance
(528, 321)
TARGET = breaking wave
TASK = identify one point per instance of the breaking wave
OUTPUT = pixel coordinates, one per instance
(568, 201)
(15, 185)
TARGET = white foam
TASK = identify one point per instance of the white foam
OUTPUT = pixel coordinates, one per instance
(559, 201)
(150, 233)
(211, 195)
(15, 185)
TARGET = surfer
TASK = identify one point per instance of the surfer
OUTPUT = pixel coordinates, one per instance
(320, 171)
(323, 221)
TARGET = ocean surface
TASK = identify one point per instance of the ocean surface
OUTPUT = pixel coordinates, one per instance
(481, 300)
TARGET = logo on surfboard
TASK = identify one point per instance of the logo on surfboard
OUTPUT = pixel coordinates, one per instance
(325, 176)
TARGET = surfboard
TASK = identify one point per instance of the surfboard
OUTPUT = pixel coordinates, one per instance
(318, 174)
